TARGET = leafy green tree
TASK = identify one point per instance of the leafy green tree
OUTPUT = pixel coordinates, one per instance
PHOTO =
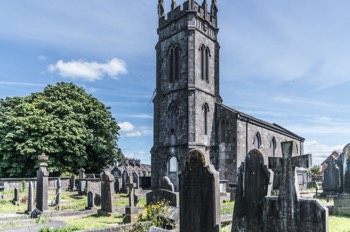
(316, 169)
(70, 126)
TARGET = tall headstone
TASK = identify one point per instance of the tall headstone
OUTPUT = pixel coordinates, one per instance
(199, 195)
(58, 194)
(107, 194)
(30, 198)
(15, 195)
(72, 183)
(254, 183)
(82, 182)
(287, 212)
(331, 179)
(131, 211)
(125, 181)
(42, 184)
(136, 180)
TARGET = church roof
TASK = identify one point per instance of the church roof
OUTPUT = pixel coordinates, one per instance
(272, 126)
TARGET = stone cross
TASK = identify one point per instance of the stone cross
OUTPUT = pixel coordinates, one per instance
(131, 185)
(130, 211)
(42, 184)
(58, 194)
(30, 198)
(107, 194)
(199, 195)
(288, 212)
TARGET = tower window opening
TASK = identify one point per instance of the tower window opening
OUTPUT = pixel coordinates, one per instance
(205, 55)
(174, 63)
(206, 110)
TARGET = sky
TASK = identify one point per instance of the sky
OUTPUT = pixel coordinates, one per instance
(286, 62)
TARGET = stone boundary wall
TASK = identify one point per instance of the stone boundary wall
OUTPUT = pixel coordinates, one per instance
(12, 183)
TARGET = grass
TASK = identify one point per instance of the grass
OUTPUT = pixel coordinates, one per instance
(339, 224)
(94, 221)
(227, 207)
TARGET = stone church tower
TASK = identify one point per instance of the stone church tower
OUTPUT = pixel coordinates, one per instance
(187, 85)
(188, 110)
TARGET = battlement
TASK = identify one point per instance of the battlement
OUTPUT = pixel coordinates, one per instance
(188, 7)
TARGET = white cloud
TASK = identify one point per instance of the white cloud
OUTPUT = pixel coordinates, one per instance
(89, 71)
(42, 57)
(134, 134)
(320, 151)
(126, 126)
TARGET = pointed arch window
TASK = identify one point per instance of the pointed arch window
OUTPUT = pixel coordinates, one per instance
(222, 131)
(174, 63)
(257, 141)
(205, 55)
(172, 114)
(173, 164)
(273, 146)
(205, 109)
(296, 149)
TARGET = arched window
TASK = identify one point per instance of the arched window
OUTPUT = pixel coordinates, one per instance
(205, 54)
(273, 146)
(172, 113)
(174, 63)
(173, 164)
(222, 131)
(205, 108)
(257, 141)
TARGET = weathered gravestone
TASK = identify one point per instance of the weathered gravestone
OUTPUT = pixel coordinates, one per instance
(16, 195)
(90, 200)
(58, 194)
(125, 181)
(287, 212)
(107, 194)
(82, 181)
(342, 201)
(199, 195)
(30, 198)
(136, 180)
(331, 179)
(42, 184)
(165, 193)
(254, 183)
(131, 211)
(72, 183)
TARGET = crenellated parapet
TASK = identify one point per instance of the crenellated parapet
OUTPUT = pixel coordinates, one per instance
(201, 12)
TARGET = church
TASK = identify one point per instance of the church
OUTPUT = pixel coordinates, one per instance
(188, 110)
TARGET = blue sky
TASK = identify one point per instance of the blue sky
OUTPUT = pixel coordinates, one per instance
(285, 62)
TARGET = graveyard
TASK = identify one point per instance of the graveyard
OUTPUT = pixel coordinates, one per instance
(109, 202)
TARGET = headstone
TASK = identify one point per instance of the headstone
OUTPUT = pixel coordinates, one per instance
(72, 183)
(58, 194)
(107, 194)
(125, 180)
(166, 184)
(42, 184)
(331, 179)
(199, 195)
(97, 199)
(288, 212)
(117, 184)
(90, 200)
(131, 211)
(136, 180)
(16, 195)
(254, 183)
(162, 195)
(30, 198)
(82, 182)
